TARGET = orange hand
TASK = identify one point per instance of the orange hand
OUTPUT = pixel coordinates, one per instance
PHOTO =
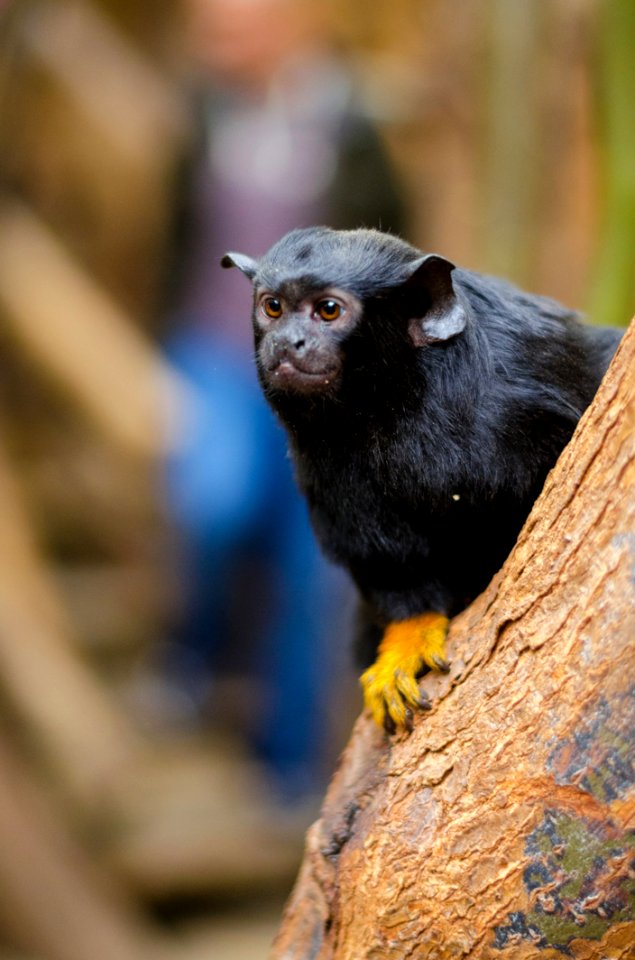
(390, 684)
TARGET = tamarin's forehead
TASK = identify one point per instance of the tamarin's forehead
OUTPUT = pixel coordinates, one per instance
(361, 261)
(303, 265)
(285, 273)
(292, 289)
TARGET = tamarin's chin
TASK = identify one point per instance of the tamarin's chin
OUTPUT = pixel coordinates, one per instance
(294, 378)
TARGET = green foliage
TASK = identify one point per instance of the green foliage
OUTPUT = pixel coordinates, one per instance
(612, 299)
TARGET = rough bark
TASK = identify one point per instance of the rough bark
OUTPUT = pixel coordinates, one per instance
(503, 826)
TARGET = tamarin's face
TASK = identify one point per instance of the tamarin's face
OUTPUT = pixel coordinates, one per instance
(298, 332)
(328, 299)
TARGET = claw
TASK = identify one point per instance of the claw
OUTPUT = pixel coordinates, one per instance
(441, 664)
(389, 724)
(391, 691)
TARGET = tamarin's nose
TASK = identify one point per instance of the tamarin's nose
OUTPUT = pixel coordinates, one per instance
(299, 345)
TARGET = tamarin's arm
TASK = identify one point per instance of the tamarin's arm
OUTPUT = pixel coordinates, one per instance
(400, 634)
(390, 686)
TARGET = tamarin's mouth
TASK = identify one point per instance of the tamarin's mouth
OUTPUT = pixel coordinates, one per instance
(287, 375)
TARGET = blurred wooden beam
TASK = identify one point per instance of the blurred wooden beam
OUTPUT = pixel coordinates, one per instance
(116, 86)
(78, 336)
(54, 903)
(512, 136)
(84, 735)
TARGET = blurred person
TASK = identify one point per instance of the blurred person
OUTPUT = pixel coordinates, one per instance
(281, 142)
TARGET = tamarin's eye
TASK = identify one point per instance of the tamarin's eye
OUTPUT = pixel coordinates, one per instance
(329, 309)
(272, 307)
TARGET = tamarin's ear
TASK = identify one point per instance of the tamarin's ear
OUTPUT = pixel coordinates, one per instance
(444, 314)
(242, 261)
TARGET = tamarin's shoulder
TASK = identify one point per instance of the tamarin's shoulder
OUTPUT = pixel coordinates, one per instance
(532, 332)
(504, 308)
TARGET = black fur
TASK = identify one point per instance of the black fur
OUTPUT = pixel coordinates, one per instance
(421, 461)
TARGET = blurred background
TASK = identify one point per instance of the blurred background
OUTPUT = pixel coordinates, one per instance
(175, 684)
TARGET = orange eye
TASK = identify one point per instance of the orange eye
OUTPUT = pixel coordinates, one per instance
(272, 307)
(329, 309)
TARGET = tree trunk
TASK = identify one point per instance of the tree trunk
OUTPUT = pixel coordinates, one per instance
(500, 826)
